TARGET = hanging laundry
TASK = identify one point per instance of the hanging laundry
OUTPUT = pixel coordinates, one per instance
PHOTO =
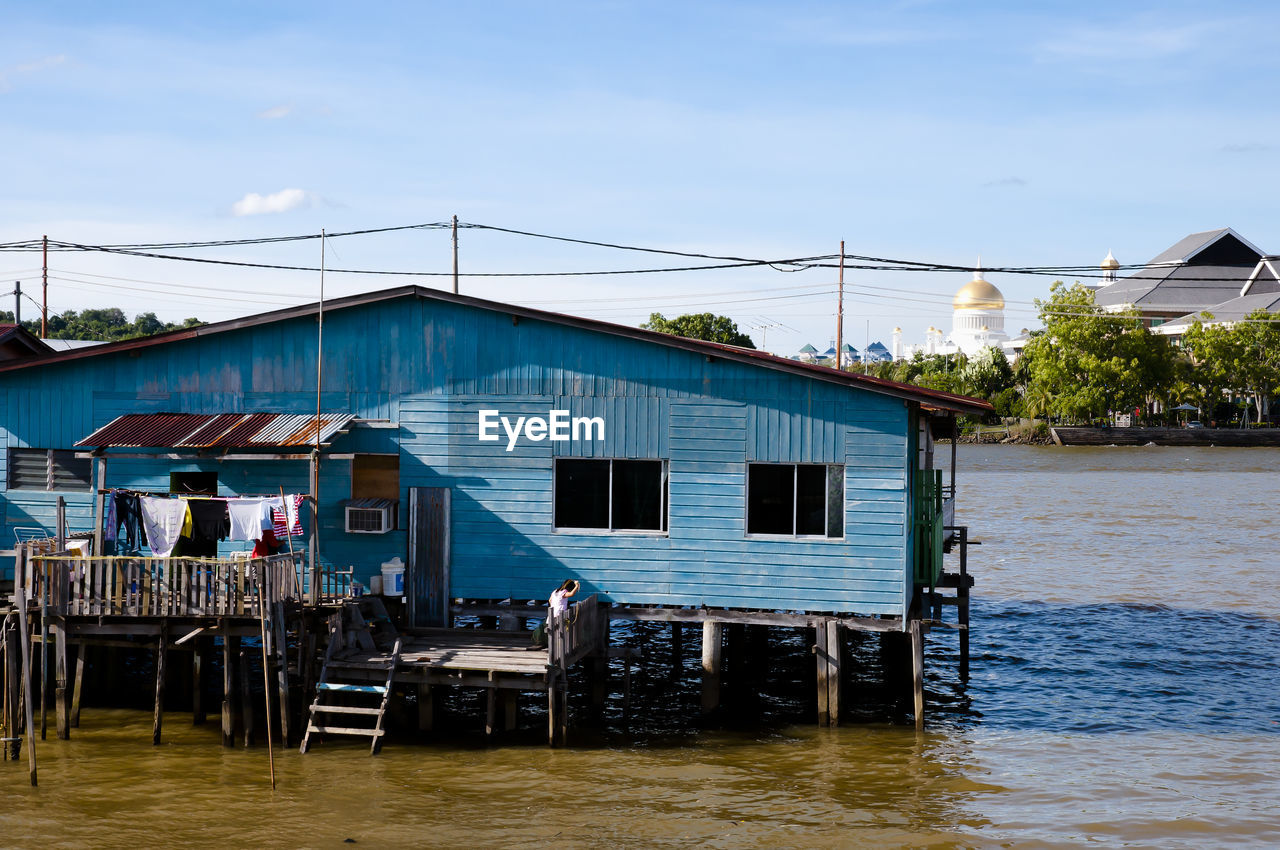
(165, 520)
(266, 545)
(249, 518)
(128, 511)
(209, 520)
(110, 525)
(289, 522)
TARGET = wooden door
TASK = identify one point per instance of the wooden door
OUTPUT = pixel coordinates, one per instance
(427, 573)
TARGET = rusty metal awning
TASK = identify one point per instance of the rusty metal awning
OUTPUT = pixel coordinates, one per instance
(217, 430)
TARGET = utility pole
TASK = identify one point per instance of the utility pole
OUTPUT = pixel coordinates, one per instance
(840, 309)
(455, 255)
(17, 303)
(44, 277)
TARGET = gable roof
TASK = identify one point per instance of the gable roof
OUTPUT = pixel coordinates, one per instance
(1189, 248)
(1195, 273)
(934, 399)
(16, 342)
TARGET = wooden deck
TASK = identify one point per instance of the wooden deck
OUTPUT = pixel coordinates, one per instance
(483, 657)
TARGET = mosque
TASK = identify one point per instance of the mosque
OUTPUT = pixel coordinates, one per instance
(977, 322)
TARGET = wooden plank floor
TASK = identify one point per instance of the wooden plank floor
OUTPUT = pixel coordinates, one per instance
(462, 649)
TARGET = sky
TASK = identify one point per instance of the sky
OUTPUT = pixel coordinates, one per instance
(1008, 134)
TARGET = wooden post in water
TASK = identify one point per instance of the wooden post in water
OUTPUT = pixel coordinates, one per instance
(280, 641)
(426, 708)
(834, 673)
(20, 600)
(162, 651)
(78, 688)
(198, 654)
(917, 670)
(823, 672)
(228, 690)
(962, 602)
(61, 708)
(246, 698)
(44, 649)
(712, 653)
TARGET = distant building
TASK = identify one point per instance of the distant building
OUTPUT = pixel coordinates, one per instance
(1199, 272)
(977, 322)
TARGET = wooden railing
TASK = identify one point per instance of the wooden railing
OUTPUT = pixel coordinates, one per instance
(575, 635)
(157, 587)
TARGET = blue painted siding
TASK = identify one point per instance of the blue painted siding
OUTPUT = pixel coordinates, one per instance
(430, 366)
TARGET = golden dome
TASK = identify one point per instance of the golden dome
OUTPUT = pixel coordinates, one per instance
(977, 294)
(1110, 263)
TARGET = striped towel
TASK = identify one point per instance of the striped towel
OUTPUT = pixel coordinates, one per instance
(293, 527)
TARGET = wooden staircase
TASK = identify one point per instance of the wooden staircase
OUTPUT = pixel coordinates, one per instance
(331, 712)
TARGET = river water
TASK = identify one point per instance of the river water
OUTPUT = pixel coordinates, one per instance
(1123, 693)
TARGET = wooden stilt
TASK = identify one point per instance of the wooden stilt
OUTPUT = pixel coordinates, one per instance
(61, 707)
(13, 686)
(198, 715)
(490, 707)
(823, 673)
(162, 650)
(510, 709)
(246, 699)
(44, 655)
(677, 650)
(962, 603)
(426, 708)
(78, 687)
(834, 673)
(228, 692)
(21, 602)
(282, 674)
(917, 670)
(712, 650)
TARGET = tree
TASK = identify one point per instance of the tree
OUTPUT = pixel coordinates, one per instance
(1239, 357)
(987, 373)
(706, 326)
(106, 324)
(1090, 361)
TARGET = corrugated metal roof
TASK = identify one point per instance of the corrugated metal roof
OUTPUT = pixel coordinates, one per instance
(958, 403)
(219, 430)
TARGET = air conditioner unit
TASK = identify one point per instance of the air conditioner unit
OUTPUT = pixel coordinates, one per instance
(370, 516)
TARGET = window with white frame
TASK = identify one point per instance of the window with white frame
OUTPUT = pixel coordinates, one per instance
(610, 494)
(795, 499)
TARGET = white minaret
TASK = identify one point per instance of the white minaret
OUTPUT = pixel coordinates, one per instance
(1109, 266)
(897, 344)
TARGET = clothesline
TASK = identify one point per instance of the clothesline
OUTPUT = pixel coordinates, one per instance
(161, 494)
(161, 520)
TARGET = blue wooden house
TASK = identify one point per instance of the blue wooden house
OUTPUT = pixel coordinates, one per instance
(499, 450)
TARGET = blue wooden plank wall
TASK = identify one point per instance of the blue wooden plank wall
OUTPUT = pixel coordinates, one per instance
(431, 367)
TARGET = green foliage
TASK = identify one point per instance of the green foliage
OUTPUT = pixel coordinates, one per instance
(707, 326)
(1242, 358)
(987, 374)
(1087, 361)
(107, 324)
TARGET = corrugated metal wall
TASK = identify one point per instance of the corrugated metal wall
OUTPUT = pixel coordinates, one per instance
(432, 366)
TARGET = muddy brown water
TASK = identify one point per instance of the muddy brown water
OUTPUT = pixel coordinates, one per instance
(1123, 693)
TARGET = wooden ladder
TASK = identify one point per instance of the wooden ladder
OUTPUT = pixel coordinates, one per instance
(335, 667)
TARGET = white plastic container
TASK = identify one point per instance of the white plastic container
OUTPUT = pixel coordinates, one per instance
(375, 585)
(393, 577)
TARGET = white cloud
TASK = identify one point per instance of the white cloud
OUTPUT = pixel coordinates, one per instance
(277, 202)
(1120, 43)
(276, 112)
(41, 64)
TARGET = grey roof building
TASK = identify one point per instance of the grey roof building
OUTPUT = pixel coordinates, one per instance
(1197, 273)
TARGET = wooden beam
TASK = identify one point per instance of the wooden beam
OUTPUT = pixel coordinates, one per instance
(228, 692)
(835, 674)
